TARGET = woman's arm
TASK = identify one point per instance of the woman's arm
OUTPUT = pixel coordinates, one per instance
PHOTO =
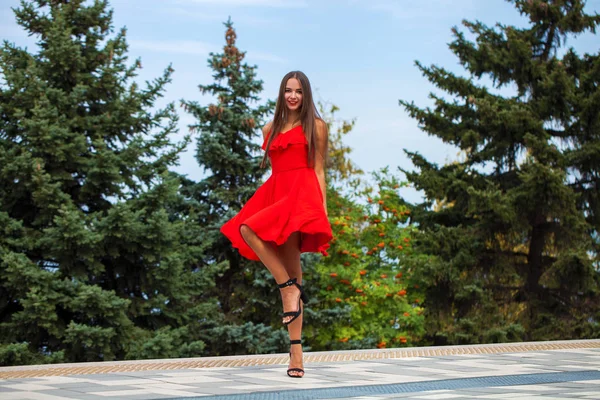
(321, 157)
(266, 129)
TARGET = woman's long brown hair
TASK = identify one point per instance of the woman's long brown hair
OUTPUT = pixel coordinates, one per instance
(308, 116)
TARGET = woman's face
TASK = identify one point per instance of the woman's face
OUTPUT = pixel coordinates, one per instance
(293, 94)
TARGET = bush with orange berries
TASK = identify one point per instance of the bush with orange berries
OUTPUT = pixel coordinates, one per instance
(365, 280)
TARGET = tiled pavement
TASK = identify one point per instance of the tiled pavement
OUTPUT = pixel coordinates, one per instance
(547, 370)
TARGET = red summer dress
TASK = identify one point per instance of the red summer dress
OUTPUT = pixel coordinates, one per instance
(289, 201)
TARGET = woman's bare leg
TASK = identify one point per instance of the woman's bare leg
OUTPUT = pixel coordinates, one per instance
(289, 254)
(267, 253)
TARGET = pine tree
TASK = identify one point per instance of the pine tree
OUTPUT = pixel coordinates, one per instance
(228, 150)
(512, 248)
(91, 267)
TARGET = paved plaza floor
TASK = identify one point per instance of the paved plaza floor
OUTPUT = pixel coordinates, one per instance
(538, 370)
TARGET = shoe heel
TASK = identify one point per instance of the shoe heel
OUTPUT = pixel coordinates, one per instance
(304, 297)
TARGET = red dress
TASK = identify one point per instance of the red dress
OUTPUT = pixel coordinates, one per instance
(289, 201)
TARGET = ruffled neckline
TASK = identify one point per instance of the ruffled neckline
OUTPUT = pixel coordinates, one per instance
(288, 138)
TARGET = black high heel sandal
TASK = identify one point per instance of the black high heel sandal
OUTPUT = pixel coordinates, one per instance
(295, 369)
(303, 297)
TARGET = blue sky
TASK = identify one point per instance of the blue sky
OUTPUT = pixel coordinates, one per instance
(358, 54)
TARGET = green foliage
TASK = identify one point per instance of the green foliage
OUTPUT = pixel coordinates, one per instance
(227, 132)
(165, 342)
(362, 295)
(514, 237)
(250, 338)
(21, 354)
(107, 254)
(366, 296)
(90, 260)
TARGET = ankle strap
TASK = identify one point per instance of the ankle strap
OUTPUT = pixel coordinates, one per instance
(299, 341)
(288, 283)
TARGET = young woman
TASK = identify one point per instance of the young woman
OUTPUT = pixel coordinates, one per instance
(287, 215)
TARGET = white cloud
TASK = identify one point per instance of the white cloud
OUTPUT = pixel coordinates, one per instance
(245, 19)
(173, 46)
(251, 3)
(268, 57)
(181, 12)
(409, 10)
(191, 47)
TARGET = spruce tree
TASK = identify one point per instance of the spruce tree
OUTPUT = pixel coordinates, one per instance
(91, 267)
(228, 149)
(514, 246)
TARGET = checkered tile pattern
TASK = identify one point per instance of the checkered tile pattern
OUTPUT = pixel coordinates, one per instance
(165, 384)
